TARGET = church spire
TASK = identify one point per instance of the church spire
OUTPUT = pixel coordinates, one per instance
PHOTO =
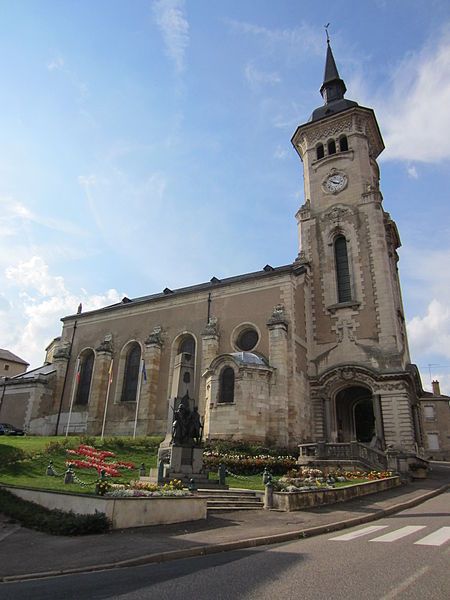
(332, 90)
(333, 87)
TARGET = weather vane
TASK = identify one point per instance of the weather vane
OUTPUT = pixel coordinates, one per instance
(326, 31)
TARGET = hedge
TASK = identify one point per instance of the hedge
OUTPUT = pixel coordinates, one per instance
(56, 522)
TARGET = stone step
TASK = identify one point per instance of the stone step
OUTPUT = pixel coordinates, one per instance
(231, 504)
(228, 498)
(217, 509)
(232, 491)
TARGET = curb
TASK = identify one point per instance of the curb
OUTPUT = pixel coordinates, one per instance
(228, 546)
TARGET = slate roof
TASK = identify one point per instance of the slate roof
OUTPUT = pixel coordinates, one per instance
(9, 356)
(207, 287)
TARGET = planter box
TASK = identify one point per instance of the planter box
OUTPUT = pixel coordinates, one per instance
(122, 512)
(290, 501)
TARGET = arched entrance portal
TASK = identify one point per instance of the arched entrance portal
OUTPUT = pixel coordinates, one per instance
(355, 415)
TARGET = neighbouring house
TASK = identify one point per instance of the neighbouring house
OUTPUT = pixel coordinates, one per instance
(435, 420)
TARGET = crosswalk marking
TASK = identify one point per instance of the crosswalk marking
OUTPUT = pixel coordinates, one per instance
(398, 533)
(356, 534)
(436, 538)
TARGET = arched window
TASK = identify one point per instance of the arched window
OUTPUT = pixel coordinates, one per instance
(84, 377)
(342, 269)
(187, 345)
(331, 147)
(226, 389)
(320, 151)
(131, 373)
(343, 143)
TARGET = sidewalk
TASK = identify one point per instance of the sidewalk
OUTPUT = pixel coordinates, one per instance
(29, 554)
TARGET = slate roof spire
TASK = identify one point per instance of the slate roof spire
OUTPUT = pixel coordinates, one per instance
(333, 87)
(332, 90)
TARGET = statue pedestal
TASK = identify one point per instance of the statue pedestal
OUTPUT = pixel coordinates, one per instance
(180, 462)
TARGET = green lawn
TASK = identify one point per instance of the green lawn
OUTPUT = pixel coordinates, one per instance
(31, 469)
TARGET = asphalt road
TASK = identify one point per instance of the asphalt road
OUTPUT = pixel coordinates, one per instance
(407, 556)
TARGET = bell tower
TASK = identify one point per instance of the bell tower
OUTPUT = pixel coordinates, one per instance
(346, 237)
(361, 383)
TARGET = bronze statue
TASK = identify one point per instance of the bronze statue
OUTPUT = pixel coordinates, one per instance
(186, 427)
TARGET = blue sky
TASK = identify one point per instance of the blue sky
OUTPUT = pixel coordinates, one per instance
(147, 144)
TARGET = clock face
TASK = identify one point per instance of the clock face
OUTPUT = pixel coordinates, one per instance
(335, 183)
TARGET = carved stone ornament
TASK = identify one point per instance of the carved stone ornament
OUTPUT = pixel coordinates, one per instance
(278, 316)
(105, 345)
(211, 328)
(156, 337)
(336, 214)
(332, 129)
(347, 373)
(62, 351)
(301, 258)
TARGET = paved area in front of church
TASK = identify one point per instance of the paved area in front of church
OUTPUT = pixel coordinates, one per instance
(30, 553)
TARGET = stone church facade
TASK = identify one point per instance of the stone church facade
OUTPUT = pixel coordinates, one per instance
(313, 351)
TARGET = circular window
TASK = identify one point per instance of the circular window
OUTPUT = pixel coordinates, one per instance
(247, 339)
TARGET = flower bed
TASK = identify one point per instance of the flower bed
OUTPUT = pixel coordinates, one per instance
(312, 479)
(244, 464)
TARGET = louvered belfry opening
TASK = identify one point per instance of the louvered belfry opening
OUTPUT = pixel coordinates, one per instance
(342, 269)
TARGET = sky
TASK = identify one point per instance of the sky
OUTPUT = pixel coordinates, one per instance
(146, 144)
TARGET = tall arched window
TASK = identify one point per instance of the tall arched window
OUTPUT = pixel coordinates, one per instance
(331, 147)
(187, 345)
(84, 377)
(226, 388)
(343, 143)
(342, 269)
(131, 373)
(320, 151)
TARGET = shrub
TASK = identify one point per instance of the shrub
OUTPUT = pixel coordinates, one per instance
(10, 455)
(56, 522)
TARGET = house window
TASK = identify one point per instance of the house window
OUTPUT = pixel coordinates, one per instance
(84, 377)
(331, 147)
(131, 373)
(6, 367)
(342, 269)
(226, 390)
(433, 441)
(429, 412)
(320, 152)
(343, 143)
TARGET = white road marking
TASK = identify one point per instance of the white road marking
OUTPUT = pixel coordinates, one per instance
(398, 533)
(9, 532)
(405, 584)
(437, 538)
(356, 534)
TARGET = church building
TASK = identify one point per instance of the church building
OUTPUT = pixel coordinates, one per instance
(310, 352)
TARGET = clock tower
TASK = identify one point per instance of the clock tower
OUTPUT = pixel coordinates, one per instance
(358, 355)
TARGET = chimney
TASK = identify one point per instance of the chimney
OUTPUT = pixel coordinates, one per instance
(436, 388)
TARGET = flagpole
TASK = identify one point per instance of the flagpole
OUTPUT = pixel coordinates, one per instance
(138, 397)
(107, 396)
(74, 387)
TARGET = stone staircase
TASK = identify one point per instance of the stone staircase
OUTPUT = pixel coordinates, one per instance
(227, 500)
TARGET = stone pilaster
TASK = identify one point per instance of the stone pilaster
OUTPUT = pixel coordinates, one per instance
(210, 350)
(278, 359)
(149, 389)
(397, 418)
(99, 388)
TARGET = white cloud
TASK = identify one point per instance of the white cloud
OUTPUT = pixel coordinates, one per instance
(430, 333)
(56, 64)
(171, 20)
(37, 299)
(304, 37)
(412, 172)
(281, 152)
(256, 77)
(414, 108)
